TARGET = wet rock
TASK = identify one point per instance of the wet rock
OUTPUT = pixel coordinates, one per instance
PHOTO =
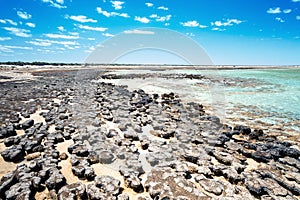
(73, 191)
(27, 124)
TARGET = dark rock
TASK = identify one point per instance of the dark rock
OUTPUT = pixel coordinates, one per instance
(27, 124)
(135, 183)
(7, 131)
(78, 171)
(106, 157)
(108, 185)
(20, 190)
(7, 181)
(63, 156)
(73, 191)
(37, 182)
(55, 181)
(89, 173)
(243, 129)
(13, 154)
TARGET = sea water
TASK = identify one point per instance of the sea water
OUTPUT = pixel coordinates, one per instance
(271, 96)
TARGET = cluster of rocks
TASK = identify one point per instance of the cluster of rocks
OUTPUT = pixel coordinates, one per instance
(162, 147)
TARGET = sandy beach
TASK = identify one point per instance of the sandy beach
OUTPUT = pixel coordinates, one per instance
(126, 132)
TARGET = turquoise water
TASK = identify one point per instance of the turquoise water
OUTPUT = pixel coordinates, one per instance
(275, 90)
(271, 96)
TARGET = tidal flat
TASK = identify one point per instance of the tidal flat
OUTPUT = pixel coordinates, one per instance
(157, 133)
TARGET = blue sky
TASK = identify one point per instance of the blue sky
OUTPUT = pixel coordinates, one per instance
(237, 32)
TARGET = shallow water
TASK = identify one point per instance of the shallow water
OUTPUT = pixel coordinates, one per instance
(270, 96)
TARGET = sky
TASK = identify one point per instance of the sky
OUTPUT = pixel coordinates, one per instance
(232, 32)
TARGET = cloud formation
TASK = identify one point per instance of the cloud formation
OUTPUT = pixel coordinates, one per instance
(117, 4)
(276, 10)
(193, 23)
(23, 15)
(111, 14)
(60, 36)
(149, 4)
(228, 22)
(11, 22)
(5, 38)
(82, 19)
(136, 31)
(144, 20)
(90, 28)
(18, 31)
(162, 8)
(58, 4)
(31, 25)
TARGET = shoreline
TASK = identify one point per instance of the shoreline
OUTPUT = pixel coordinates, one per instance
(149, 140)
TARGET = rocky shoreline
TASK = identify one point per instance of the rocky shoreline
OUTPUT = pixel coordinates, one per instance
(64, 136)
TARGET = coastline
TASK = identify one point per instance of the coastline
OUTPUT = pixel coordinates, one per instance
(209, 165)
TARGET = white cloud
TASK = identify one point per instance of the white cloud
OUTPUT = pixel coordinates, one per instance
(24, 15)
(59, 36)
(57, 4)
(65, 43)
(274, 10)
(295, 0)
(18, 47)
(144, 20)
(162, 8)
(228, 22)
(136, 31)
(117, 4)
(279, 19)
(149, 4)
(32, 25)
(218, 29)
(40, 43)
(298, 17)
(111, 14)
(202, 26)
(91, 39)
(286, 11)
(193, 23)
(5, 21)
(82, 19)
(107, 35)
(18, 32)
(61, 28)
(160, 18)
(100, 29)
(5, 38)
